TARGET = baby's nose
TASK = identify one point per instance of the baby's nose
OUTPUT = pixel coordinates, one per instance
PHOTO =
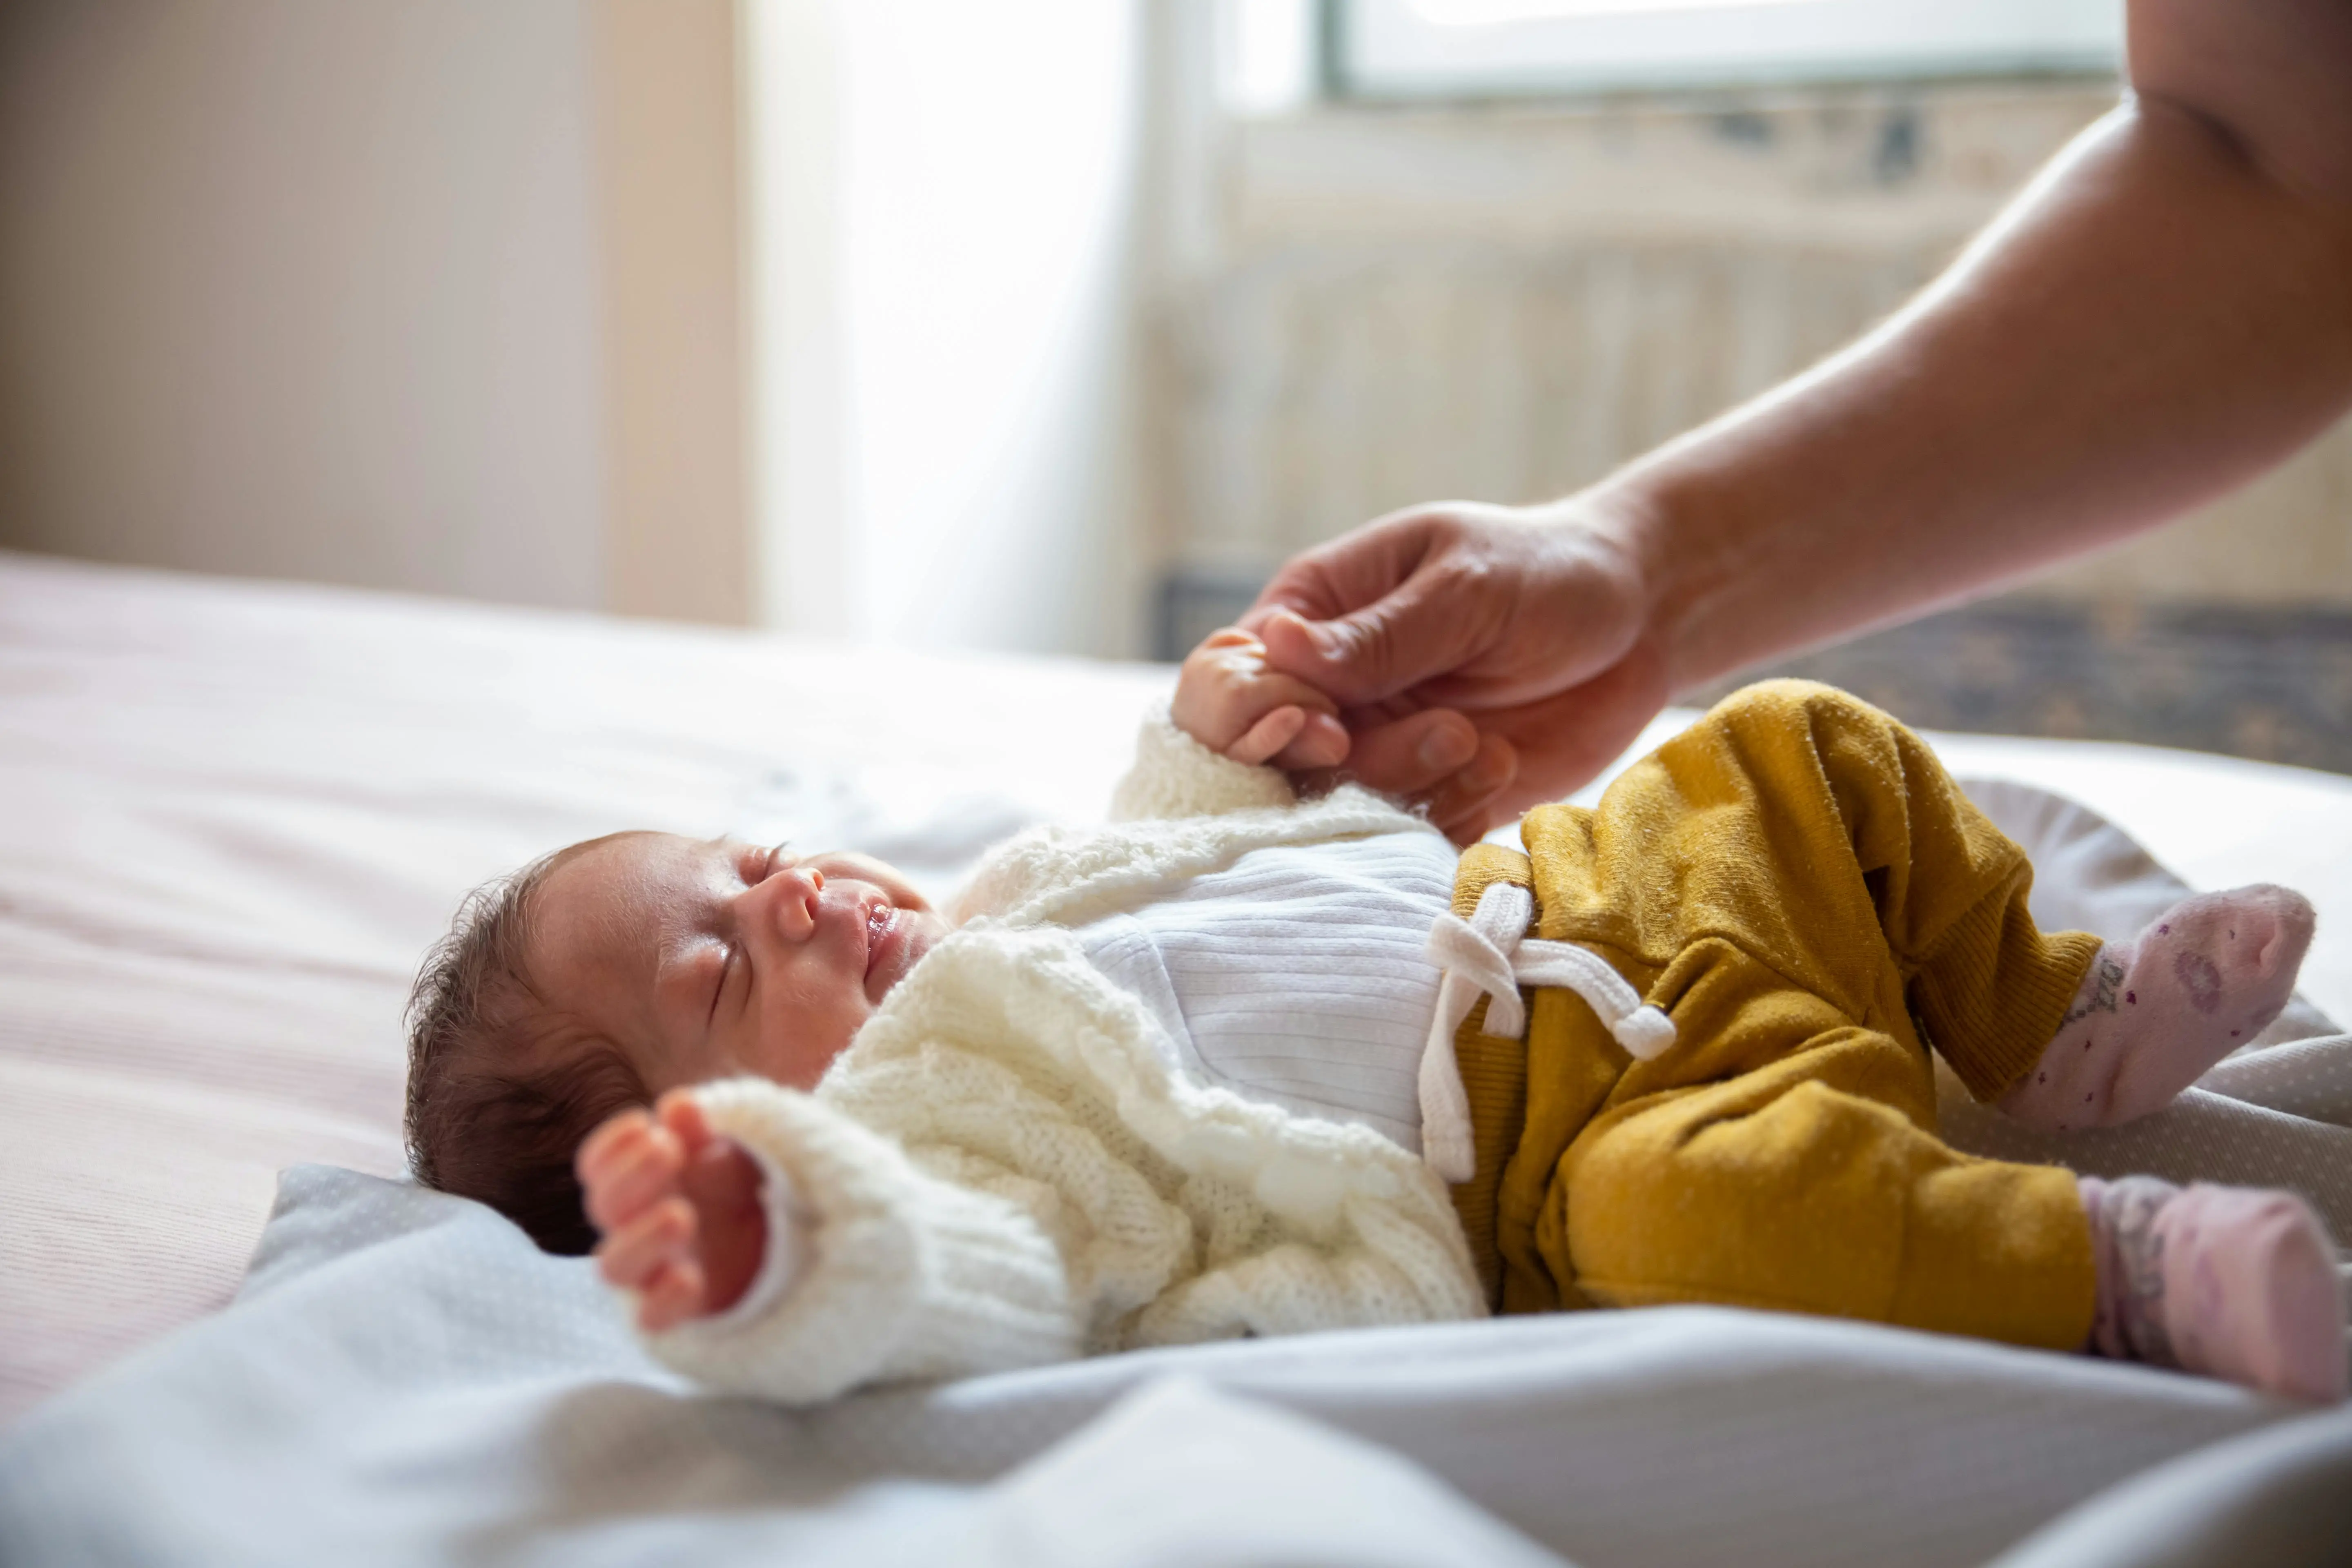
(788, 901)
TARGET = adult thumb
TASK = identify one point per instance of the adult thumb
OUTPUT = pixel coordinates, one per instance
(1369, 654)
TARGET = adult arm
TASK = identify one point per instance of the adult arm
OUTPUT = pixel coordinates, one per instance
(2166, 311)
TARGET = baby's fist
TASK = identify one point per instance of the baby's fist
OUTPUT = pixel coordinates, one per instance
(1228, 700)
(679, 1210)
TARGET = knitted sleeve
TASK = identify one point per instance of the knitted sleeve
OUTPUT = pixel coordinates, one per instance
(905, 1276)
(1175, 775)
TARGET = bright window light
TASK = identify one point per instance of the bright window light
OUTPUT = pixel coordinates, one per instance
(1481, 48)
(1485, 13)
(1266, 55)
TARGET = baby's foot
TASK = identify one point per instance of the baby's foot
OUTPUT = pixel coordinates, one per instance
(2230, 1282)
(2154, 1013)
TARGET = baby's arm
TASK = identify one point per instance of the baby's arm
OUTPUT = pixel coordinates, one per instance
(679, 1208)
(778, 1247)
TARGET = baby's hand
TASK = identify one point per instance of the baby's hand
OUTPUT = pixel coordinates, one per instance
(679, 1209)
(1227, 700)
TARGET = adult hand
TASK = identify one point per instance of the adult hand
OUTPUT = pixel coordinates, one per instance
(1485, 658)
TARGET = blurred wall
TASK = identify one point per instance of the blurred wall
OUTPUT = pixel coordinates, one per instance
(303, 290)
(946, 206)
(914, 320)
(678, 536)
(598, 303)
(418, 294)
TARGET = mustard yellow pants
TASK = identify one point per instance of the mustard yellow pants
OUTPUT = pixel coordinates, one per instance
(1799, 886)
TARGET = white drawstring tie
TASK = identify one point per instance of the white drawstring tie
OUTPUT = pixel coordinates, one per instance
(1491, 954)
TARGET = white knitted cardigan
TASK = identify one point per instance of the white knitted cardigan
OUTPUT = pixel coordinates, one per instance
(1001, 1170)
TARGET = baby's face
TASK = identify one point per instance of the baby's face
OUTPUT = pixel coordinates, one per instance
(702, 960)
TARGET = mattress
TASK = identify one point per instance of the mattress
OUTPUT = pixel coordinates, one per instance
(233, 815)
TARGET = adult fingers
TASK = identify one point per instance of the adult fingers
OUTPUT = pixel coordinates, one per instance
(1422, 629)
(1351, 571)
(1564, 740)
(1413, 754)
(1465, 806)
(1402, 599)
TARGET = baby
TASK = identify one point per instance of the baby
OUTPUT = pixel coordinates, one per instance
(1240, 1064)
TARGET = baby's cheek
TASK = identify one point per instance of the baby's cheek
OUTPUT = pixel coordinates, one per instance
(800, 1038)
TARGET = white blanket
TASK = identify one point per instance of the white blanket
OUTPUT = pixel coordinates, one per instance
(407, 1380)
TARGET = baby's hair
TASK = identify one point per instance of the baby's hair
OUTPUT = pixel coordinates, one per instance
(482, 1123)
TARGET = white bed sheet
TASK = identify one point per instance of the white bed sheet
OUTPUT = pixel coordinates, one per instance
(232, 814)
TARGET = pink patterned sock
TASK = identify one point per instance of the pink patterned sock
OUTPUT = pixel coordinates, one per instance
(2154, 1013)
(2230, 1282)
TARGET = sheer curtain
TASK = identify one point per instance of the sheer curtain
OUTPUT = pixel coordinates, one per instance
(943, 202)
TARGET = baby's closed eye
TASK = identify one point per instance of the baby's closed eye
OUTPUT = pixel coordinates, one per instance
(722, 971)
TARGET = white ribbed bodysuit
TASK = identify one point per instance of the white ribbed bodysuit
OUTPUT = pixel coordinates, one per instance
(1298, 974)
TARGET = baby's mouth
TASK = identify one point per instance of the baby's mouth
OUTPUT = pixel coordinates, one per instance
(885, 936)
(896, 941)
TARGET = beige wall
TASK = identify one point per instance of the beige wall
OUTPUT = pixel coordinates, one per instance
(419, 294)
(677, 539)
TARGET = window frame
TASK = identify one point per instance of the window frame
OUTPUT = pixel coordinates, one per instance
(1388, 50)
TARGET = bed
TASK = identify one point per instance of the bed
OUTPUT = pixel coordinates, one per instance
(231, 816)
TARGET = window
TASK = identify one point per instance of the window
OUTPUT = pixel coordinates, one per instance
(1486, 48)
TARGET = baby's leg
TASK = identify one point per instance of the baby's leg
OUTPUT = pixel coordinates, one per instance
(1792, 1188)
(1810, 828)
(2154, 1013)
(2233, 1282)
(1784, 1189)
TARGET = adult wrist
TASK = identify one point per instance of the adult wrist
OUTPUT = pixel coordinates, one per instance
(1633, 527)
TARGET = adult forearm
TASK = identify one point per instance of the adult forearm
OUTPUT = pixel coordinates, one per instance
(2159, 317)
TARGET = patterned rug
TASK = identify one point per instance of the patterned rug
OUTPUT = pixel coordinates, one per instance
(2271, 685)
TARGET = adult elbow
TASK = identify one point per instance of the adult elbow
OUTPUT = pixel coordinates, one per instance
(2272, 79)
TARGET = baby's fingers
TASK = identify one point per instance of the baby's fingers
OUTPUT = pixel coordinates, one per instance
(662, 1235)
(632, 1173)
(682, 1114)
(613, 1136)
(1322, 742)
(1268, 735)
(671, 1297)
